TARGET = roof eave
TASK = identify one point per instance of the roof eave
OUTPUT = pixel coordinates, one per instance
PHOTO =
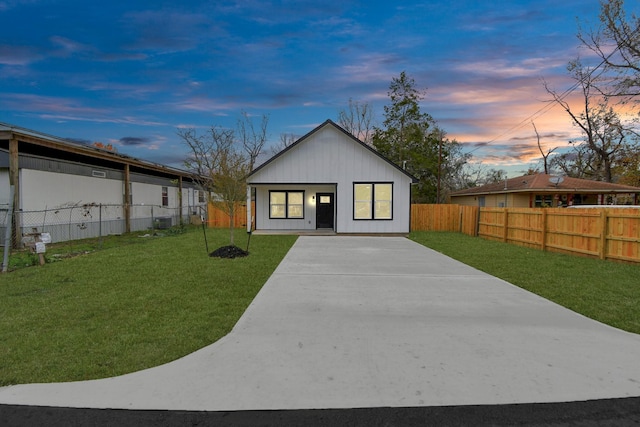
(315, 130)
(550, 190)
(9, 132)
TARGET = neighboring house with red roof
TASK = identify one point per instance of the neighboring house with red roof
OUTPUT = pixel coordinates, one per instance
(542, 190)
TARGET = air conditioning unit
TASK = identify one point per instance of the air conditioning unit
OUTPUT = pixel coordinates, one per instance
(162, 223)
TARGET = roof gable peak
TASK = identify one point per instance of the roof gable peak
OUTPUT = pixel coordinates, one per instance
(314, 131)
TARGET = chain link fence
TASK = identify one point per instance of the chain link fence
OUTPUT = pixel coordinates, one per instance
(93, 220)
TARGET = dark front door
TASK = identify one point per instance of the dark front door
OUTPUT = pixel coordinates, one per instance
(324, 210)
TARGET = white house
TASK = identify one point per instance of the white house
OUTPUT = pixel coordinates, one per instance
(329, 180)
(76, 191)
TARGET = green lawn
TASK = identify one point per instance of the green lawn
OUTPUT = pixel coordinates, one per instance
(603, 290)
(129, 307)
(140, 302)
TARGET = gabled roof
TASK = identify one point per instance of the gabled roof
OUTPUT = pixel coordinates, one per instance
(544, 183)
(329, 122)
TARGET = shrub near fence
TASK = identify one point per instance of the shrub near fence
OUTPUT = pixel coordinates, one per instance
(605, 233)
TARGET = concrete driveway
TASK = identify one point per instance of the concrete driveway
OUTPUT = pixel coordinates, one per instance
(349, 322)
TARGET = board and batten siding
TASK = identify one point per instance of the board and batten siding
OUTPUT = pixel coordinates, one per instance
(331, 157)
(307, 223)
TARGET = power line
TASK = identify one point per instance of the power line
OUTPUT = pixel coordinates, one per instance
(550, 104)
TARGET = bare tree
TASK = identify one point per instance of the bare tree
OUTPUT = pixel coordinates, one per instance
(252, 139)
(617, 43)
(494, 175)
(286, 139)
(578, 163)
(471, 175)
(545, 157)
(604, 133)
(218, 167)
(357, 119)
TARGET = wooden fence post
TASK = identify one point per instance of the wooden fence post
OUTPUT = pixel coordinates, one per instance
(505, 234)
(603, 234)
(544, 230)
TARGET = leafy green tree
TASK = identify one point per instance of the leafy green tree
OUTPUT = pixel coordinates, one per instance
(453, 168)
(628, 168)
(412, 140)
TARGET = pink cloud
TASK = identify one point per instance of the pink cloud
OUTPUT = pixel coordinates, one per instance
(66, 47)
(18, 55)
(64, 109)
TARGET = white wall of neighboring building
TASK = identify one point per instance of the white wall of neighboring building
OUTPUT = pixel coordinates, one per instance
(5, 187)
(146, 194)
(41, 190)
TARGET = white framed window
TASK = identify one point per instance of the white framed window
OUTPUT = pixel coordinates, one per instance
(286, 204)
(165, 196)
(372, 200)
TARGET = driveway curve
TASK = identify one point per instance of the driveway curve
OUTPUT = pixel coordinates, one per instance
(364, 322)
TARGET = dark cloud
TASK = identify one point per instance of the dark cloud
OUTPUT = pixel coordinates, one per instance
(549, 135)
(173, 159)
(164, 30)
(133, 141)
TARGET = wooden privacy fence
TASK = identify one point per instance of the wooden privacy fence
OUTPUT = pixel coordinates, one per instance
(605, 233)
(458, 218)
(218, 218)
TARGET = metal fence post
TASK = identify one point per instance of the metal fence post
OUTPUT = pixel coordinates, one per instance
(100, 226)
(7, 233)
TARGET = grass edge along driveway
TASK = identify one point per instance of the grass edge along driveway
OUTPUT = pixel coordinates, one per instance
(132, 307)
(127, 308)
(606, 291)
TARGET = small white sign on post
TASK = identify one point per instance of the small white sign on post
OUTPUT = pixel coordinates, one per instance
(41, 248)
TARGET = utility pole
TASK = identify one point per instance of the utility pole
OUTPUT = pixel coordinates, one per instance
(439, 167)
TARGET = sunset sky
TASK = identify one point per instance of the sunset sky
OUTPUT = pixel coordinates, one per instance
(131, 73)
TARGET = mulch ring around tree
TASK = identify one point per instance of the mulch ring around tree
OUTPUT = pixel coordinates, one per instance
(230, 251)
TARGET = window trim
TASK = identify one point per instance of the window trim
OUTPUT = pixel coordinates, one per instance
(287, 205)
(543, 200)
(373, 200)
(165, 197)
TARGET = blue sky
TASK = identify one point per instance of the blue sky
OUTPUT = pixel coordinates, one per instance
(131, 73)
